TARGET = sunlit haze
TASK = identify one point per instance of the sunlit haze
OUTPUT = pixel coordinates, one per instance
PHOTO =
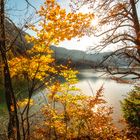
(76, 44)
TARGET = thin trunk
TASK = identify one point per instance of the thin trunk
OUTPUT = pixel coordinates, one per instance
(135, 17)
(13, 125)
(136, 23)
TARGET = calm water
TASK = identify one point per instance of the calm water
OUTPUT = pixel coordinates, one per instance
(90, 81)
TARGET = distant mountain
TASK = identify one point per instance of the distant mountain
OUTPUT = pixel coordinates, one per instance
(82, 59)
(15, 38)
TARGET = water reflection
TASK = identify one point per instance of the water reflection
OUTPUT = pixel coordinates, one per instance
(91, 81)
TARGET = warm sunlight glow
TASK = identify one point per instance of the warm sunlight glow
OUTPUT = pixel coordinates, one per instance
(95, 22)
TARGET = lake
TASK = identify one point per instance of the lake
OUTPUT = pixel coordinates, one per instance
(90, 81)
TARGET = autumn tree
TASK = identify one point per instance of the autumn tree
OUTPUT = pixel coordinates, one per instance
(75, 116)
(11, 43)
(9, 93)
(37, 66)
(118, 28)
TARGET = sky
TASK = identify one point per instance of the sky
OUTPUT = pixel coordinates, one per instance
(20, 17)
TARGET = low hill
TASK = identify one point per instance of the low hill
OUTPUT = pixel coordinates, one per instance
(15, 38)
(83, 59)
(80, 59)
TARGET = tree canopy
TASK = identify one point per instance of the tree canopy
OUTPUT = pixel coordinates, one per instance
(119, 29)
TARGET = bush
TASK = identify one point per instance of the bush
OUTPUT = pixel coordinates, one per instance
(76, 116)
(131, 107)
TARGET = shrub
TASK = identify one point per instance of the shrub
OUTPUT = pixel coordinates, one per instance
(76, 116)
(131, 107)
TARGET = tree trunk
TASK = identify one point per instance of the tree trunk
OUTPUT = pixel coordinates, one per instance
(136, 24)
(13, 124)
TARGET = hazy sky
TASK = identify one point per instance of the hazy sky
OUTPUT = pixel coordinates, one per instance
(19, 16)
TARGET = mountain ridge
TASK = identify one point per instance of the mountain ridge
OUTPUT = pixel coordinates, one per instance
(81, 58)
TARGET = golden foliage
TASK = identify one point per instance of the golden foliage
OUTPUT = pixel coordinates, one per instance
(24, 102)
(55, 26)
(76, 116)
